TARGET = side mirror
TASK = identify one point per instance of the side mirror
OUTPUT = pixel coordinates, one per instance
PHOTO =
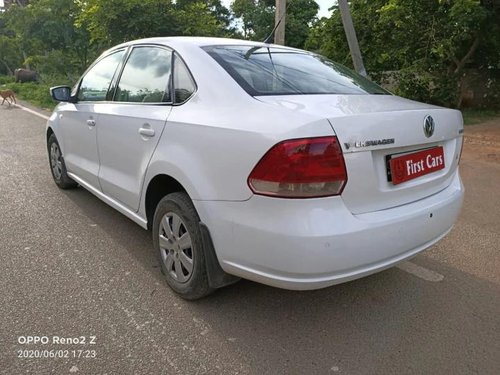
(61, 94)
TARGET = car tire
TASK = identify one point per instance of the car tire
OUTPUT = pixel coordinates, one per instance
(57, 165)
(178, 242)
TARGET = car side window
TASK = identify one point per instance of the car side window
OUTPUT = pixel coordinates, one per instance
(146, 76)
(184, 85)
(95, 84)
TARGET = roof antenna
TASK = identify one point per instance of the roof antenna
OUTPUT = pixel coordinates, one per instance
(276, 26)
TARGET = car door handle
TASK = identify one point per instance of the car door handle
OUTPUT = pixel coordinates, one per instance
(91, 122)
(147, 132)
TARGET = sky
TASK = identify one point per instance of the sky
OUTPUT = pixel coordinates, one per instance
(323, 6)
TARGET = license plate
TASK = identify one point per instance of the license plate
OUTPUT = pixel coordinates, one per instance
(409, 166)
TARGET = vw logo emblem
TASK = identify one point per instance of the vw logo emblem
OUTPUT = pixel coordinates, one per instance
(428, 126)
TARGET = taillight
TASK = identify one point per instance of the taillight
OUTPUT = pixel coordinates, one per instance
(300, 168)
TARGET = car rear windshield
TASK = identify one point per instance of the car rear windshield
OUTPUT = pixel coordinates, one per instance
(262, 70)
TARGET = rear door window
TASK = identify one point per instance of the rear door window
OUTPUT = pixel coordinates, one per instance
(146, 77)
(184, 85)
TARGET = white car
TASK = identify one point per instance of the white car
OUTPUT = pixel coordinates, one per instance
(257, 161)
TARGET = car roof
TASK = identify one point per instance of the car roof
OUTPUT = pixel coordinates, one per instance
(192, 41)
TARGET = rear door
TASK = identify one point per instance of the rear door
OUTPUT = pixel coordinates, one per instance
(130, 127)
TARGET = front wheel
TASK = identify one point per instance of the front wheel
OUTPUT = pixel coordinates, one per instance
(178, 242)
(57, 165)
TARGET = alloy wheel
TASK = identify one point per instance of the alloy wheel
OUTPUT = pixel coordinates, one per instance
(55, 160)
(176, 247)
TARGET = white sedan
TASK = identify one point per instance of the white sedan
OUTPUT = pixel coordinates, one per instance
(257, 161)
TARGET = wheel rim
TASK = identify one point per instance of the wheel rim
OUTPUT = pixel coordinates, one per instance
(55, 160)
(176, 247)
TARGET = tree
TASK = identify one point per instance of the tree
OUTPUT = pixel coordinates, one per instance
(202, 18)
(10, 58)
(257, 18)
(216, 8)
(114, 21)
(428, 42)
(45, 26)
(300, 16)
(10, 52)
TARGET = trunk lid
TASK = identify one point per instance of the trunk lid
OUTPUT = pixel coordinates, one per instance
(373, 128)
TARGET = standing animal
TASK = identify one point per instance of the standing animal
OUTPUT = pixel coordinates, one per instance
(6, 95)
(25, 75)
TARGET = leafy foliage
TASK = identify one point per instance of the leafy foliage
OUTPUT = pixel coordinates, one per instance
(115, 21)
(257, 17)
(428, 43)
(425, 46)
(10, 56)
(59, 38)
(48, 25)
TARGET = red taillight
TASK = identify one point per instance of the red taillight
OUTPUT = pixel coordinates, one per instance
(300, 168)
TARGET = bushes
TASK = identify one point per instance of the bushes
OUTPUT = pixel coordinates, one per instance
(427, 87)
(6, 79)
(35, 93)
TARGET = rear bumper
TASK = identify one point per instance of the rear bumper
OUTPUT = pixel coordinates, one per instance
(314, 243)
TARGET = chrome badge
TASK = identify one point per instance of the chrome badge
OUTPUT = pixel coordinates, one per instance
(428, 126)
(374, 142)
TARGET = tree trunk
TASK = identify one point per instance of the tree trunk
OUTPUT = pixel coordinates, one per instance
(25, 58)
(461, 63)
(8, 68)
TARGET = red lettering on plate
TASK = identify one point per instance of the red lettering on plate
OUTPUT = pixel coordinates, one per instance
(410, 166)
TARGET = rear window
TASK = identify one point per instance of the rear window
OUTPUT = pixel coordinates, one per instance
(278, 71)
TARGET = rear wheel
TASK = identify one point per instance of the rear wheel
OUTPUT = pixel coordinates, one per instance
(57, 166)
(178, 242)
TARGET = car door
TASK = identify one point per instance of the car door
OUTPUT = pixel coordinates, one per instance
(78, 120)
(130, 127)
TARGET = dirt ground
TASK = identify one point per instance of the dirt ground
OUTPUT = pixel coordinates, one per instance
(482, 141)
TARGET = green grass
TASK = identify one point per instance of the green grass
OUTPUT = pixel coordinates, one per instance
(36, 93)
(6, 79)
(477, 116)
